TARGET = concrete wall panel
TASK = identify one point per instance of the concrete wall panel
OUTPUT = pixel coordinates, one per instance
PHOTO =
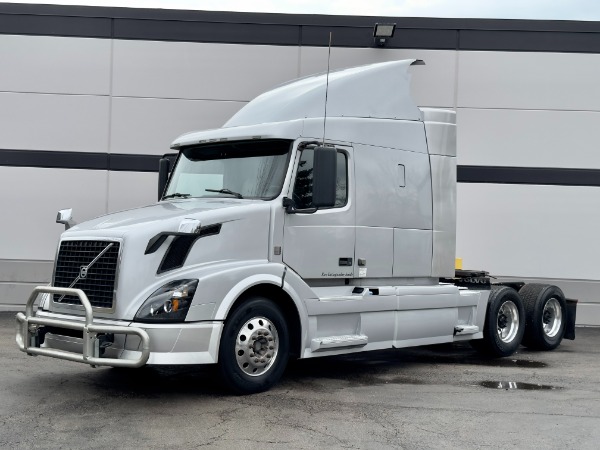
(200, 71)
(25, 271)
(150, 125)
(523, 80)
(526, 138)
(131, 189)
(14, 296)
(135, 97)
(530, 231)
(50, 64)
(33, 196)
(54, 122)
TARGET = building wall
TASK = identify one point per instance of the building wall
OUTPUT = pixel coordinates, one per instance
(90, 97)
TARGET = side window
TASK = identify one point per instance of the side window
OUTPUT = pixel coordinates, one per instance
(302, 195)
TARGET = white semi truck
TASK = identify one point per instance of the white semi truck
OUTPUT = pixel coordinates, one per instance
(302, 228)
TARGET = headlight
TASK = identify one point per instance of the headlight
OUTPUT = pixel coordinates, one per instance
(170, 303)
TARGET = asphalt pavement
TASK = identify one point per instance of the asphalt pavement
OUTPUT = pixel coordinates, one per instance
(442, 396)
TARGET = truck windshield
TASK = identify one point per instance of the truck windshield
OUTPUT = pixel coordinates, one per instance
(244, 169)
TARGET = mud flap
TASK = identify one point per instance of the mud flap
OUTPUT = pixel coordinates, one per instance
(571, 316)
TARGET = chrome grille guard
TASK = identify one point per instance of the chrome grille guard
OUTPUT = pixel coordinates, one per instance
(27, 336)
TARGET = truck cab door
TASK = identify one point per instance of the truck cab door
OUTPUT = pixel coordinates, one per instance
(320, 245)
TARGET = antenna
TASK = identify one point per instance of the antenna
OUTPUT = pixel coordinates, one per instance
(327, 87)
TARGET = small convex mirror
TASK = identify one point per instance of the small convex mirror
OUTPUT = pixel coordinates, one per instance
(65, 216)
(324, 177)
(191, 226)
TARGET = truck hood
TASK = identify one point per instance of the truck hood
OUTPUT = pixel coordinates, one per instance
(243, 235)
(163, 216)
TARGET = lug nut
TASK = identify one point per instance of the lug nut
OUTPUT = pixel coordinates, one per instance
(256, 360)
(270, 338)
(271, 347)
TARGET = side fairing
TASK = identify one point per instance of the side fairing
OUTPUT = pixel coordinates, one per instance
(440, 130)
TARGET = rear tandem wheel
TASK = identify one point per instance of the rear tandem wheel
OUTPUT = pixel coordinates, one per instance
(504, 323)
(546, 316)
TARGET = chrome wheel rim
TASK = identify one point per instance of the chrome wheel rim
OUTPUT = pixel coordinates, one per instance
(508, 321)
(256, 346)
(552, 317)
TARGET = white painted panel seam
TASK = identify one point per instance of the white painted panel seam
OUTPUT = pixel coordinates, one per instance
(181, 98)
(552, 280)
(478, 108)
(11, 260)
(124, 96)
(52, 93)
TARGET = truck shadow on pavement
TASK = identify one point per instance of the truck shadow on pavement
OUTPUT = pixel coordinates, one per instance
(400, 366)
(410, 366)
(395, 366)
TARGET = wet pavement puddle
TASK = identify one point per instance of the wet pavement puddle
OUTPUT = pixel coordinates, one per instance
(513, 385)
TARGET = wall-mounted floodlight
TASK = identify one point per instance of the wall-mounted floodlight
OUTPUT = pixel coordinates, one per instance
(382, 32)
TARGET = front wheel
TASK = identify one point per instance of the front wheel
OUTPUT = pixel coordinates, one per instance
(504, 323)
(254, 347)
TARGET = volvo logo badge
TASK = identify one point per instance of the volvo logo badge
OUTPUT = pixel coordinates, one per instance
(83, 270)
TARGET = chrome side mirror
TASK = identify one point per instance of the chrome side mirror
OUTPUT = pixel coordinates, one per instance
(65, 216)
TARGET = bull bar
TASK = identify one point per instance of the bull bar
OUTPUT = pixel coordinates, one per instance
(28, 339)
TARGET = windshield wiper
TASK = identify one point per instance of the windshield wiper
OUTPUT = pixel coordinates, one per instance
(176, 195)
(225, 191)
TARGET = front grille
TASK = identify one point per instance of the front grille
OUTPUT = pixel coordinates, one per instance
(99, 282)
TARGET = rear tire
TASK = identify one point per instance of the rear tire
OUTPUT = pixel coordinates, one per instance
(254, 347)
(546, 316)
(504, 323)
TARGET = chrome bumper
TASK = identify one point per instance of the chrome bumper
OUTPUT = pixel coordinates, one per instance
(29, 342)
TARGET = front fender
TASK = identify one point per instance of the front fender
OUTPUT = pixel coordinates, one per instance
(221, 284)
(291, 284)
(219, 289)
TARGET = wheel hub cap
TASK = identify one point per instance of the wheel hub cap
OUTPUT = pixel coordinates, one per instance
(256, 346)
(552, 317)
(507, 321)
(502, 321)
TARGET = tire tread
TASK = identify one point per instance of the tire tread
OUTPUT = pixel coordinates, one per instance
(232, 377)
(489, 345)
(532, 295)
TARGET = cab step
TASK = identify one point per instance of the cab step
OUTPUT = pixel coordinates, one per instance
(466, 329)
(332, 342)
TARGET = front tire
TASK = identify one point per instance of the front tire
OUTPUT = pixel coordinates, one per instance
(504, 323)
(546, 312)
(254, 347)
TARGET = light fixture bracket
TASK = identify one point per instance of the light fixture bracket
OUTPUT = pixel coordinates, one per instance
(382, 32)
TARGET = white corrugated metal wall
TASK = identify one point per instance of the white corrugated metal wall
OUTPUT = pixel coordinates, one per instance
(111, 96)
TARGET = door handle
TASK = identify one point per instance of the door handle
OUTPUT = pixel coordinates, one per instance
(345, 261)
